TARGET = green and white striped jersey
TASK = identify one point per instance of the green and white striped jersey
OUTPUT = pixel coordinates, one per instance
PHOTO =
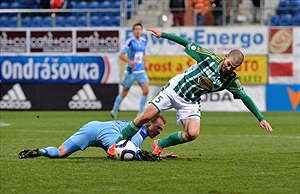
(204, 76)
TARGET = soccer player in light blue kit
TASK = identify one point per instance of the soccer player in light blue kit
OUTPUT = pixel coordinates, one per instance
(99, 134)
(133, 53)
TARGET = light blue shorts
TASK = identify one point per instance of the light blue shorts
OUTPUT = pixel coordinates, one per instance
(130, 78)
(83, 138)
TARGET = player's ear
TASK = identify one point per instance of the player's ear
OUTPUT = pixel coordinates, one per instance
(225, 56)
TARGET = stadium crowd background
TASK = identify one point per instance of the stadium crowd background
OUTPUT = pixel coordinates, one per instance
(63, 13)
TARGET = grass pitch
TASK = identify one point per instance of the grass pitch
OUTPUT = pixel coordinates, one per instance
(231, 155)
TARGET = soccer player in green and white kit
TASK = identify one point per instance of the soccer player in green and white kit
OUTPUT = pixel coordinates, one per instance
(183, 92)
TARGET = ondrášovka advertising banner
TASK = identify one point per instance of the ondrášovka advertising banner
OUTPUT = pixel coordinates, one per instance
(163, 68)
(219, 101)
(22, 96)
(58, 69)
(59, 56)
(282, 97)
(284, 60)
(251, 40)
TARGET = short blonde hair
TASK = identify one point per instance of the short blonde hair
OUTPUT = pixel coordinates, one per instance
(237, 55)
(159, 115)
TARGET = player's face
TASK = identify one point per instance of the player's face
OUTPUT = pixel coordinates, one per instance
(137, 31)
(227, 66)
(154, 129)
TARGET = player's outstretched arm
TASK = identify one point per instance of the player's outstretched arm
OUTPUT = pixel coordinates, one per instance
(177, 39)
(156, 33)
(265, 125)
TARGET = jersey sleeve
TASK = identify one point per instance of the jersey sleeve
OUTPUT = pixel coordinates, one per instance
(175, 38)
(199, 53)
(236, 88)
(139, 138)
(238, 92)
(126, 46)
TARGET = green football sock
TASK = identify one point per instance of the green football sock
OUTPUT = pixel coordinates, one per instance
(128, 132)
(171, 140)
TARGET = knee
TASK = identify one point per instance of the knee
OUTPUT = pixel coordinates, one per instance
(124, 93)
(145, 93)
(63, 153)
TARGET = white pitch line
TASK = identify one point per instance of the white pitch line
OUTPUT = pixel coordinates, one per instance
(4, 124)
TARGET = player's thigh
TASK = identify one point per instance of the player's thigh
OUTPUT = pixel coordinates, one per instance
(128, 80)
(83, 137)
(186, 110)
(142, 78)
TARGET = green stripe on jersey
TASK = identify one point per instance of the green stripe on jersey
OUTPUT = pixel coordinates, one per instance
(204, 76)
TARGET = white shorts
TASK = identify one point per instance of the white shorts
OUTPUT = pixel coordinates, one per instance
(167, 99)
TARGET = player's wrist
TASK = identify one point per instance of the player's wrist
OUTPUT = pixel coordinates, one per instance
(164, 34)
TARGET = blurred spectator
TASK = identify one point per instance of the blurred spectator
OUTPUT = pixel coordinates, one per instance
(177, 8)
(232, 8)
(45, 4)
(203, 9)
(54, 4)
(51, 4)
(217, 11)
(256, 4)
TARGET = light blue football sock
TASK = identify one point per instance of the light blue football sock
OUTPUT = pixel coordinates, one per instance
(51, 152)
(117, 103)
(142, 103)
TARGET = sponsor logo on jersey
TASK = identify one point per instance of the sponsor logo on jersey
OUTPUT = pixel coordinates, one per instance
(85, 99)
(205, 83)
(15, 99)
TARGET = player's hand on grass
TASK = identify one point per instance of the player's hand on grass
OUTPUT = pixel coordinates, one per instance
(265, 125)
(156, 33)
(169, 155)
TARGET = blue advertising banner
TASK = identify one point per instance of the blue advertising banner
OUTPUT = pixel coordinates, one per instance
(283, 97)
(54, 69)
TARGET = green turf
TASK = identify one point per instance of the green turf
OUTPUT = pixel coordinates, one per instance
(231, 155)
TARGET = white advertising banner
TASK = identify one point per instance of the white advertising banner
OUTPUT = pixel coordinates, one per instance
(251, 40)
(219, 101)
(224, 101)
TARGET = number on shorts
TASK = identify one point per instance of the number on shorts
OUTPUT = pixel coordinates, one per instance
(158, 99)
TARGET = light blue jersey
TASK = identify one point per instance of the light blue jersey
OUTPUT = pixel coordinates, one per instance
(101, 134)
(135, 51)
